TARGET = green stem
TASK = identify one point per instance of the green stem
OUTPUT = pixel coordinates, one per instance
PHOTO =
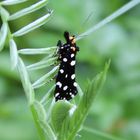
(108, 19)
(100, 134)
(35, 117)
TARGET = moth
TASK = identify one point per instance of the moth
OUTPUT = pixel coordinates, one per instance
(66, 86)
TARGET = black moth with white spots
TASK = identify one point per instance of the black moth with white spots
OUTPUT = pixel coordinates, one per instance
(66, 86)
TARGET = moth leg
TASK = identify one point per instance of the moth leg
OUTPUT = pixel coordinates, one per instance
(53, 78)
(77, 48)
(55, 63)
(57, 52)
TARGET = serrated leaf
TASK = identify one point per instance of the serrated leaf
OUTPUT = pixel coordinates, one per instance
(48, 50)
(13, 53)
(12, 2)
(3, 35)
(59, 113)
(46, 78)
(32, 26)
(76, 119)
(42, 64)
(26, 81)
(4, 14)
(28, 10)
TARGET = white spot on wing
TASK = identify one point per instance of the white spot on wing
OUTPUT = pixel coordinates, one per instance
(75, 84)
(65, 59)
(56, 94)
(72, 96)
(59, 84)
(72, 63)
(61, 71)
(72, 76)
(72, 55)
(65, 87)
(66, 75)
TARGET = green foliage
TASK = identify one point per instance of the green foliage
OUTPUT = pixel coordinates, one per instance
(68, 119)
(46, 78)
(61, 120)
(60, 112)
(3, 35)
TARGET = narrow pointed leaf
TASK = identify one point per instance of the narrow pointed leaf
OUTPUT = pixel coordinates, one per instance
(108, 19)
(43, 127)
(48, 50)
(46, 78)
(80, 92)
(48, 95)
(3, 35)
(77, 118)
(40, 111)
(4, 14)
(12, 2)
(45, 132)
(32, 26)
(28, 10)
(48, 131)
(26, 81)
(42, 64)
(49, 109)
(13, 53)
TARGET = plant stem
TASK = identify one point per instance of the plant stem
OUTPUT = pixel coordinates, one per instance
(108, 19)
(100, 134)
(40, 131)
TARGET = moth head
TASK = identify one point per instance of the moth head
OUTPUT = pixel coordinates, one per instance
(72, 39)
(69, 39)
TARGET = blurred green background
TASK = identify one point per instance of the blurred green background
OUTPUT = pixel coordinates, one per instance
(116, 110)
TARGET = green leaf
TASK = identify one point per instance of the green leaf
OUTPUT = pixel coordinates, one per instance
(48, 95)
(42, 64)
(13, 53)
(32, 26)
(28, 10)
(48, 131)
(40, 110)
(48, 50)
(3, 35)
(80, 92)
(4, 14)
(43, 127)
(26, 81)
(108, 19)
(12, 2)
(78, 116)
(59, 113)
(46, 78)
